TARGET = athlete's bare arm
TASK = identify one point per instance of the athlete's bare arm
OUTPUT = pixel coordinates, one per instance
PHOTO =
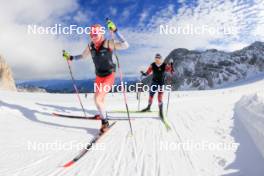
(85, 54)
(119, 43)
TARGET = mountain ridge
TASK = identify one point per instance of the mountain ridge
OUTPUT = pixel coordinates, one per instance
(212, 68)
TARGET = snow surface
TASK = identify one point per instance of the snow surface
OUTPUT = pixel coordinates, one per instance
(211, 116)
(250, 110)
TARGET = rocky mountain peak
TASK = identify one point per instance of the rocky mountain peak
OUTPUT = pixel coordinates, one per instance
(213, 68)
(6, 79)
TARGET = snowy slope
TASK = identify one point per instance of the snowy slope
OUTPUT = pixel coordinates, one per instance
(195, 117)
(250, 111)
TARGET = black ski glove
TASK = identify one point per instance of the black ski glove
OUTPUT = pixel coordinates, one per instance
(143, 73)
(66, 55)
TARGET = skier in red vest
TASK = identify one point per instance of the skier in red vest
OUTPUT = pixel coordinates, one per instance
(101, 50)
(158, 70)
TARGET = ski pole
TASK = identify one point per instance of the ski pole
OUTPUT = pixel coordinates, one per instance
(139, 94)
(168, 102)
(121, 81)
(74, 86)
(123, 90)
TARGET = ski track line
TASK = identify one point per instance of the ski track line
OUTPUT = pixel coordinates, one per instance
(104, 157)
(78, 167)
(145, 162)
(161, 154)
(184, 122)
(119, 154)
(137, 149)
(151, 157)
(157, 159)
(60, 170)
(119, 157)
(208, 112)
(156, 153)
(55, 172)
(146, 150)
(82, 163)
(51, 172)
(158, 156)
(113, 153)
(186, 154)
(29, 166)
(132, 149)
(168, 158)
(141, 152)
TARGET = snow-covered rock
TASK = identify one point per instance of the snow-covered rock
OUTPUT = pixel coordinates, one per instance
(212, 68)
(6, 79)
(250, 111)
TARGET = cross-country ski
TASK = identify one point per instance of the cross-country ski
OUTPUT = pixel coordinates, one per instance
(96, 117)
(88, 147)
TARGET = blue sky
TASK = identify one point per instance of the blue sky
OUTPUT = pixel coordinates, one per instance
(118, 10)
(39, 56)
(125, 13)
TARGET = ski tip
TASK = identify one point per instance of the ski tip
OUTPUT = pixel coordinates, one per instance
(68, 164)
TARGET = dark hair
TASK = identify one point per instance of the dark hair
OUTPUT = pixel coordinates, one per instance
(158, 56)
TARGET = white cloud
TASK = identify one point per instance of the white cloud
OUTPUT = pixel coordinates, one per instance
(82, 17)
(125, 14)
(34, 56)
(143, 16)
(39, 56)
(246, 18)
(112, 10)
(257, 31)
(181, 1)
(35, 11)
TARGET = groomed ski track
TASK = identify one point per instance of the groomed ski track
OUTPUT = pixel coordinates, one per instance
(195, 116)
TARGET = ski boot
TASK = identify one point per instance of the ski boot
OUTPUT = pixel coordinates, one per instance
(161, 111)
(105, 126)
(97, 117)
(147, 109)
